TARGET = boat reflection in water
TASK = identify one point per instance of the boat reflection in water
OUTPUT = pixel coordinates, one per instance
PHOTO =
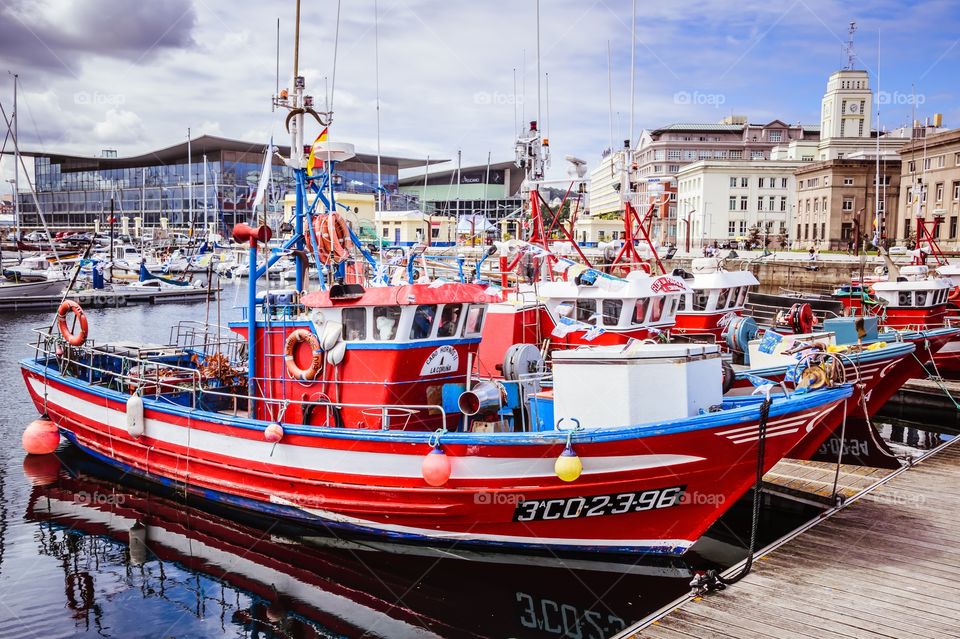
(247, 576)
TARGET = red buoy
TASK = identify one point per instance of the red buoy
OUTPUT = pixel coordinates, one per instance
(273, 433)
(436, 467)
(41, 437)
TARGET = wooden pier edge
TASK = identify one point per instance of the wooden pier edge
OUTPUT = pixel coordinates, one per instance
(635, 631)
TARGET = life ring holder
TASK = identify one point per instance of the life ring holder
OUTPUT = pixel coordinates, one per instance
(316, 363)
(74, 339)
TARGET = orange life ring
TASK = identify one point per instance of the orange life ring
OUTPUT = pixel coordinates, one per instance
(332, 245)
(74, 339)
(316, 363)
(954, 296)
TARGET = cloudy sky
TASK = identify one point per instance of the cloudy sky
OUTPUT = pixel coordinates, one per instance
(132, 75)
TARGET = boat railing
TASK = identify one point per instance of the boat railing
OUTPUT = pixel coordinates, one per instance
(388, 414)
(206, 338)
(144, 375)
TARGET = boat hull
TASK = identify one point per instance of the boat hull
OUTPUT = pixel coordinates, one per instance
(643, 489)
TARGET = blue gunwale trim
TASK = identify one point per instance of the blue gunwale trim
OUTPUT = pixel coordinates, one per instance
(863, 357)
(739, 414)
(295, 514)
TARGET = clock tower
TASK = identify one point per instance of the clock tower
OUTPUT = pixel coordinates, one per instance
(846, 106)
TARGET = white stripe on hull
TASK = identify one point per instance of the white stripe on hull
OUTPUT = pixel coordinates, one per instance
(346, 461)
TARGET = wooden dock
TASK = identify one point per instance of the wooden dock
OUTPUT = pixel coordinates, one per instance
(819, 482)
(886, 564)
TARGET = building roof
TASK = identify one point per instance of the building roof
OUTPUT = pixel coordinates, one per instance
(728, 128)
(199, 146)
(949, 136)
(415, 178)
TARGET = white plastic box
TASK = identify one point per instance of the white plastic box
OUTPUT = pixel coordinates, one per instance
(613, 386)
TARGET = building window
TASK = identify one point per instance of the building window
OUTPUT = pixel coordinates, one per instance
(848, 181)
(737, 154)
(733, 182)
(760, 203)
(848, 203)
(956, 191)
(673, 154)
(744, 182)
(823, 230)
(760, 182)
(756, 155)
(733, 203)
(806, 158)
(731, 228)
(673, 168)
(953, 227)
(798, 231)
(939, 191)
(860, 128)
(773, 204)
(658, 155)
(783, 203)
(783, 183)
(743, 203)
(912, 166)
(906, 228)
(775, 136)
(806, 231)
(743, 227)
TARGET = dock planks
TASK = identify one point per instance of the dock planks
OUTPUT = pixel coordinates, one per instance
(813, 481)
(887, 565)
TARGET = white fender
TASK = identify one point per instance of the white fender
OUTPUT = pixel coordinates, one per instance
(135, 421)
(335, 355)
(332, 332)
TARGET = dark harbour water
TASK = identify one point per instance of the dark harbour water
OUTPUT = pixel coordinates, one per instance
(85, 554)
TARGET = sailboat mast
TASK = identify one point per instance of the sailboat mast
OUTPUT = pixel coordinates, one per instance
(16, 160)
(878, 225)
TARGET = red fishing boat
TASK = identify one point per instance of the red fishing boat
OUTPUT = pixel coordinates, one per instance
(360, 406)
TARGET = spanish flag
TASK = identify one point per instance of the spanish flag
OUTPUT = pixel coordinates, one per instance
(312, 160)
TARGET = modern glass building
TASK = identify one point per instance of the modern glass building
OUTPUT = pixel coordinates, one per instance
(489, 191)
(154, 189)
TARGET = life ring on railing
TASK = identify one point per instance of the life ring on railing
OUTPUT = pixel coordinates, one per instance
(954, 297)
(333, 245)
(295, 338)
(74, 339)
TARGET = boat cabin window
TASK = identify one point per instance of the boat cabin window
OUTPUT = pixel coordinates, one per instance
(670, 308)
(586, 311)
(474, 322)
(423, 321)
(640, 310)
(656, 308)
(742, 296)
(611, 312)
(682, 303)
(449, 320)
(722, 296)
(385, 320)
(354, 324)
(700, 299)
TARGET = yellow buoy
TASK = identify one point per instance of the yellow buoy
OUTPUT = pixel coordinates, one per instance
(568, 466)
